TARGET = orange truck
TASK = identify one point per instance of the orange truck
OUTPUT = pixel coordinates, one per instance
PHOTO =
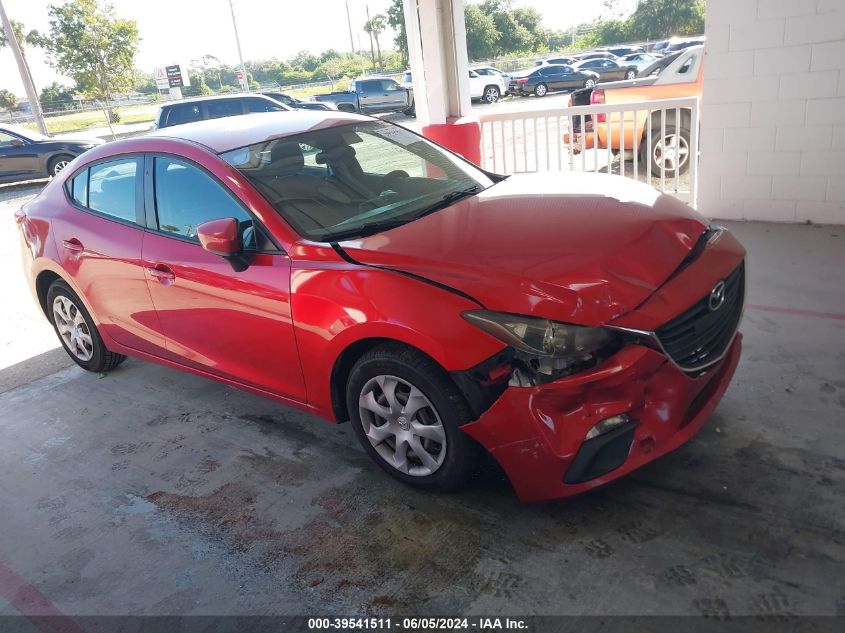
(671, 77)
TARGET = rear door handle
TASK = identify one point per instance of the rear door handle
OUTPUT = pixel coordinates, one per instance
(162, 272)
(73, 245)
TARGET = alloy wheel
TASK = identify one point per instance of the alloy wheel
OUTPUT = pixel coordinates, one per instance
(72, 328)
(491, 95)
(591, 83)
(402, 425)
(59, 165)
(672, 152)
(540, 91)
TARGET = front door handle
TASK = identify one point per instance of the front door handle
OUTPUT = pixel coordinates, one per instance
(73, 245)
(162, 272)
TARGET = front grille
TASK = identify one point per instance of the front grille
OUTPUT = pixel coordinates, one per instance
(699, 337)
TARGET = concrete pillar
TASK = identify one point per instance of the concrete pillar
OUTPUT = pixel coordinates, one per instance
(440, 67)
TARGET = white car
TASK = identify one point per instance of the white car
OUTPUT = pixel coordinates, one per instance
(639, 60)
(487, 86)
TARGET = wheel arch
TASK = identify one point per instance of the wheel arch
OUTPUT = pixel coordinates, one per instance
(346, 360)
(43, 282)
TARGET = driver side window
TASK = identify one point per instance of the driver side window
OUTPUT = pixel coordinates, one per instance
(185, 197)
(7, 140)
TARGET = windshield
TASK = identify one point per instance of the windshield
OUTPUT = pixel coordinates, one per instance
(356, 179)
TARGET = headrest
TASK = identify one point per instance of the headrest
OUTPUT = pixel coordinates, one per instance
(285, 159)
(339, 154)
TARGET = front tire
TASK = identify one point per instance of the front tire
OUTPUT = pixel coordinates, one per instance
(58, 163)
(406, 411)
(492, 94)
(590, 83)
(541, 90)
(76, 330)
(631, 74)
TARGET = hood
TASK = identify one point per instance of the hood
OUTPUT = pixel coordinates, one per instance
(578, 247)
(78, 139)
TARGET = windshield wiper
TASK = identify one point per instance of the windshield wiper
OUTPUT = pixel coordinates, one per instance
(377, 227)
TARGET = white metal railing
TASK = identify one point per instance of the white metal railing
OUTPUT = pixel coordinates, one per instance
(576, 139)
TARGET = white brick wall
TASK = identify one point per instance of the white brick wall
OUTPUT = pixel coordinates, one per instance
(773, 113)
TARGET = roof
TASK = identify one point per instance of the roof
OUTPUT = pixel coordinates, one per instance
(221, 135)
(229, 95)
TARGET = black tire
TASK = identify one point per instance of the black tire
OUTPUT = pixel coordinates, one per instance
(541, 90)
(491, 94)
(407, 364)
(590, 83)
(412, 111)
(57, 163)
(654, 165)
(631, 74)
(101, 359)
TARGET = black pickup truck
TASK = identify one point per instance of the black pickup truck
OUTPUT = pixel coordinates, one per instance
(372, 95)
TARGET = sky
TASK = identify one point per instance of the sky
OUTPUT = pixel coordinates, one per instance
(181, 30)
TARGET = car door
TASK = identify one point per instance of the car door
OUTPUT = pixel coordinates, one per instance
(19, 158)
(236, 325)
(396, 97)
(612, 71)
(476, 85)
(99, 237)
(371, 94)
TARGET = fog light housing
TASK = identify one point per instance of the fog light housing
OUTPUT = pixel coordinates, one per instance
(607, 425)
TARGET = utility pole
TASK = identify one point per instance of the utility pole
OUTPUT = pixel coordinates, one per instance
(244, 81)
(349, 23)
(26, 78)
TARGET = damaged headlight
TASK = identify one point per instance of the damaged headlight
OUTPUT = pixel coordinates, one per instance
(546, 350)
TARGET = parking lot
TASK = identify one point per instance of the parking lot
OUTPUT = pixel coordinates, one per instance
(150, 491)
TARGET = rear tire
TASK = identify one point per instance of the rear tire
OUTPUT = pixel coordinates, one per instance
(412, 111)
(541, 90)
(631, 74)
(673, 150)
(76, 330)
(406, 413)
(590, 83)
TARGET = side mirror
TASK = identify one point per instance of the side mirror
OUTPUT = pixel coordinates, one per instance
(222, 237)
(16, 142)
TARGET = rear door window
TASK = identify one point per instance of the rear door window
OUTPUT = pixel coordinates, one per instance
(184, 113)
(260, 105)
(224, 108)
(112, 188)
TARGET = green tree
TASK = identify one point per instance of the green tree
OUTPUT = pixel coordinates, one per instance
(482, 36)
(396, 19)
(7, 100)
(56, 96)
(304, 60)
(198, 86)
(658, 19)
(530, 19)
(331, 68)
(375, 26)
(93, 46)
(24, 37)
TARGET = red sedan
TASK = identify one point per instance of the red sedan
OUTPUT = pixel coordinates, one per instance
(574, 326)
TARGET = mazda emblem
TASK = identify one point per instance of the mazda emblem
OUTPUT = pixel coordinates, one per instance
(717, 297)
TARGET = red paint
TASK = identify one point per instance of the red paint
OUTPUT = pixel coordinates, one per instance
(587, 249)
(462, 136)
(34, 605)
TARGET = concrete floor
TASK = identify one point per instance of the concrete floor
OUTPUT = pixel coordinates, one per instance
(149, 491)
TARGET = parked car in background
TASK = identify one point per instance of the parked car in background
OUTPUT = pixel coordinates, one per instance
(638, 60)
(622, 51)
(489, 71)
(484, 85)
(658, 48)
(27, 155)
(544, 79)
(296, 104)
(608, 69)
(677, 75)
(555, 61)
(575, 326)
(680, 44)
(373, 95)
(595, 55)
(202, 108)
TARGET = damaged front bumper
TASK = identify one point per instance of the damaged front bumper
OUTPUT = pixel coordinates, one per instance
(539, 434)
